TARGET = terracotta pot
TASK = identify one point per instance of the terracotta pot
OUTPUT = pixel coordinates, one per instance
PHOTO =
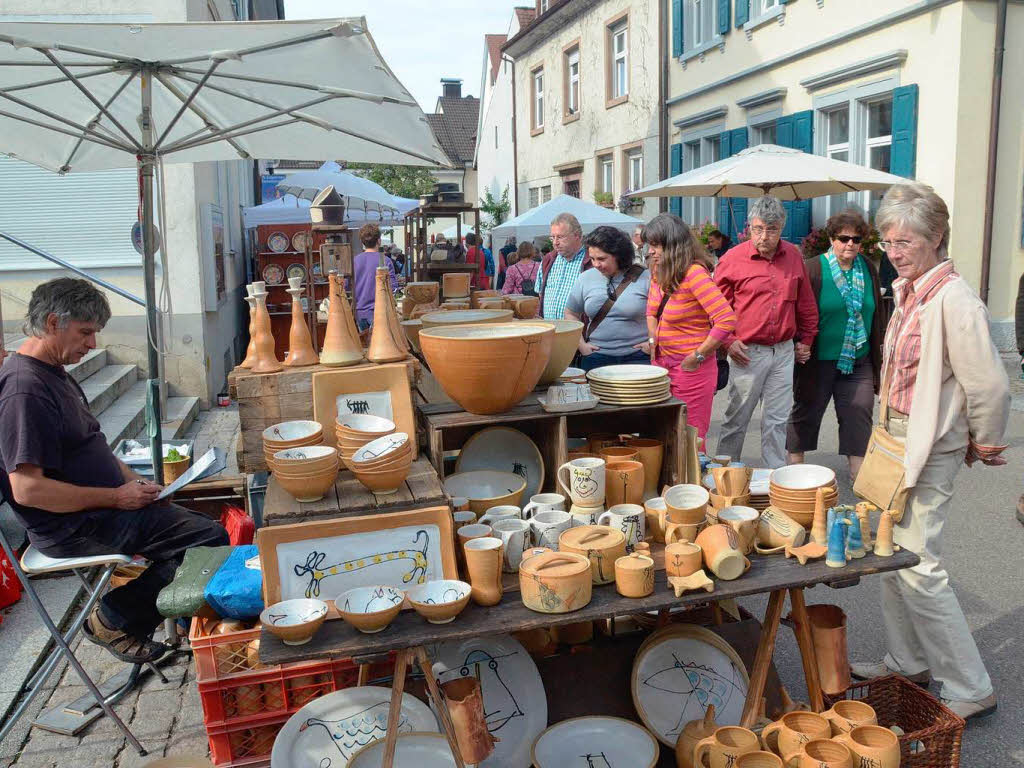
(300, 343)
(723, 554)
(483, 564)
(487, 368)
(849, 714)
(828, 630)
(724, 746)
(341, 339)
(650, 453)
(583, 480)
(466, 707)
(624, 483)
(600, 544)
(744, 521)
(423, 292)
(634, 575)
(683, 558)
(266, 361)
(692, 733)
(618, 453)
(785, 735)
(686, 503)
(250, 350)
(555, 582)
(776, 530)
(820, 753)
(455, 284)
(566, 342)
(872, 745)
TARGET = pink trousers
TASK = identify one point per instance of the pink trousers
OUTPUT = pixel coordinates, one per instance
(695, 388)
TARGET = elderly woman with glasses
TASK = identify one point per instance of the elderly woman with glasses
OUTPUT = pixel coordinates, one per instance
(945, 395)
(847, 354)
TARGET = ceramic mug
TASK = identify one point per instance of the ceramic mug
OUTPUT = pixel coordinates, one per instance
(820, 753)
(543, 502)
(776, 530)
(650, 453)
(847, 715)
(873, 746)
(500, 512)
(583, 480)
(686, 503)
(724, 747)
(785, 735)
(515, 538)
(743, 520)
(683, 531)
(546, 527)
(683, 558)
(624, 483)
(582, 515)
(460, 503)
(723, 554)
(472, 531)
(628, 518)
(759, 759)
(655, 510)
(618, 453)
(463, 518)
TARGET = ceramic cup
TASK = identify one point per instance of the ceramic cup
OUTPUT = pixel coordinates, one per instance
(820, 753)
(776, 530)
(543, 502)
(686, 503)
(683, 558)
(515, 538)
(583, 480)
(472, 531)
(785, 735)
(655, 510)
(484, 561)
(724, 746)
(624, 483)
(500, 512)
(759, 759)
(460, 503)
(722, 552)
(628, 518)
(873, 746)
(743, 520)
(618, 453)
(722, 459)
(683, 531)
(650, 453)
(847, 715)
(546, 527)
(462, 519)
(582, 515)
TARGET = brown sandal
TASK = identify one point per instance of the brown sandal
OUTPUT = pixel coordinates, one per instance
(124, 646)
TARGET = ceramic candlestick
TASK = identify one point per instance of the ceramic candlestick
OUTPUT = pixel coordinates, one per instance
(266, 360)
(883, 538)
(250, 351)
(387, 340)
(819, 533)
(863, 511)
(836, 556)
(854, 544)
(341, 340)
(300, 343)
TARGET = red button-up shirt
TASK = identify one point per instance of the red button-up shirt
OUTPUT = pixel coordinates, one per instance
(772, 298)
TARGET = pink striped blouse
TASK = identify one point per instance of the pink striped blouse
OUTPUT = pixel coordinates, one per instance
(695, 310)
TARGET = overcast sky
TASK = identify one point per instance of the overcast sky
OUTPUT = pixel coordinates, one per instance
(423, 40)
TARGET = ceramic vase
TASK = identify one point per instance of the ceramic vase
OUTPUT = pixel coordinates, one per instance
(693, 732)
(300, 343)
(266, 361)
(854, 544)
(466, 708)
(341, 340)
(624, 482)
(483, 563)
(250, 351)
(387, 340)
(828, 632)
(883, 538)
(864, 518)
(819, 531)
(836, 556)
(650, 453)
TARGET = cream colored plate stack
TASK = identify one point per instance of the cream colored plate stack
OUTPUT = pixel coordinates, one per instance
(630, 384)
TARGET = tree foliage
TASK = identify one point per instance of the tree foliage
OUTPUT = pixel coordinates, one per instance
(399, 180)
(498, 210)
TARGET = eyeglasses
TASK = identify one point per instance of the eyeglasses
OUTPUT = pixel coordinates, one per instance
(844, 239)
(895, 246)
(758, 231)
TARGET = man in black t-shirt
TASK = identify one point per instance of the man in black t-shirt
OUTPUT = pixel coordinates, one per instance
(65, 484)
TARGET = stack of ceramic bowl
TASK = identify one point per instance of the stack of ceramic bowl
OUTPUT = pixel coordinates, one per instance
(354, 430)
(630, 384)
(307, 472)
(382, 464)
(792, 489)
(291, 434)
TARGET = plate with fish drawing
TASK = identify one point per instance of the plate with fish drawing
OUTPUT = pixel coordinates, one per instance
(506, 450)
(680, 670)
(328, 731)
(515, 705)
(596, 742)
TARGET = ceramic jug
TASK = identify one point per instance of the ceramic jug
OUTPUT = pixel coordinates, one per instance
(820, 753)
(722, 552)
(786, 734)
(724, 746)
(584, 481)
(624, 483)
(873, 746)
(484, 561)
(628, 518)
(692, 733)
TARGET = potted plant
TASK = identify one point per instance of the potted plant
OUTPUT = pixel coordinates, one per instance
(629, 203)
(604, 198)
(175, 465)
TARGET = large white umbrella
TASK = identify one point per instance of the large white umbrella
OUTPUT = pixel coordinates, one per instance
(79, 97)
(295, 210)
(789, 174)
(536, 222)
(359, 191)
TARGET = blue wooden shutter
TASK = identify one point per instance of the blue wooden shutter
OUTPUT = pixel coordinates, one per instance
(723, 17)
(724, 151)
(803, 139)
(738, 221)
(677, 28)
(675, 204)
(742, 12)
(784, 138)
(903, 160)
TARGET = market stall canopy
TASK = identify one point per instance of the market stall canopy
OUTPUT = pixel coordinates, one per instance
(789, 174)
(536, 222)
(295, 90)
(292, 210)
(358, 190)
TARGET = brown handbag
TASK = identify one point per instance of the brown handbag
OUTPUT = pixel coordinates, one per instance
(882, 477)
(630, 276)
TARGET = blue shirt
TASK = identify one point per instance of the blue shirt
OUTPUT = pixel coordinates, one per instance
(558, 284)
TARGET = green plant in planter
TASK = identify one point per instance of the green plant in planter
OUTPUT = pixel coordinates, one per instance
(603, 198)
(173, 455)
(705, 232)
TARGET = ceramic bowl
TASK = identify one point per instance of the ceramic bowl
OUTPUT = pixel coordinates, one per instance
(465, 317)
(364, 424)
(486, 488)
(802, 477)
(439, 602)
(304, 459)
(401, 456)
(370, 609)
(563, 348)
(384, 481)
(488, 368)
(387, 448)
(310, 488)
(289, 433)
(412, 330)
(688, 503)
(294, 621)
(423, 750)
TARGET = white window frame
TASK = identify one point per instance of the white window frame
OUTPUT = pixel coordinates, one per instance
(620, 86)
(537, 99)
(697, 210)
(757, 124)
(545, 194)
(572, 100)
(634, 163)
(534, 197)
(606, 173)
(764, 11)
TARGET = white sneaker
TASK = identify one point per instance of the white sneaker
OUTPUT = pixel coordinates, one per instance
(869, 670)
(971, 709)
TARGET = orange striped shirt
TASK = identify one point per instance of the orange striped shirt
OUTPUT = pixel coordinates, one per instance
(696, 309)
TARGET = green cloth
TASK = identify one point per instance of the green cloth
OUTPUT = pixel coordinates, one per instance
(832, 315)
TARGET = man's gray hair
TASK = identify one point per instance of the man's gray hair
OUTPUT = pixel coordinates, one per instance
(570, 221)
(69, 299)
(768, 209)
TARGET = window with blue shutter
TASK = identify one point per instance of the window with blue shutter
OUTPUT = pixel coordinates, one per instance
(677, 28)
(723, 17)
(797, 132)
(903, 160)
(675, 204)
(742, 12)
(732, 211)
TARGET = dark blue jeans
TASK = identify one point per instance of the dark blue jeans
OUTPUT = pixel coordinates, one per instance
(596, 359)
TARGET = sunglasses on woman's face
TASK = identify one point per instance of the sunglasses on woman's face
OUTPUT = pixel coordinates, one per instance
(844, 239)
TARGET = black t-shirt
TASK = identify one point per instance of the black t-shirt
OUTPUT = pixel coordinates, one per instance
(45, 421)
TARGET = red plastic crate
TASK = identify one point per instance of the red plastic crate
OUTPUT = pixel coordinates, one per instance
(218, 656)
(245, 743)
(276, 690)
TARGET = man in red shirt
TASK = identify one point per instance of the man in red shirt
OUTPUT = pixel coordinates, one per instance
(765, 281)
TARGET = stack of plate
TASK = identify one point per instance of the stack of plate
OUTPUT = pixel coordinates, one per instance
(792, 489)
(630, 384)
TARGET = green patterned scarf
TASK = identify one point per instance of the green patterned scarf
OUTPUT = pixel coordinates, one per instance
(851, 287)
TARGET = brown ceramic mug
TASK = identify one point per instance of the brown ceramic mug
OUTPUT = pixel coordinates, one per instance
(847, 715)
(724, 746)
(820, 753)
(786, 734)
(759, 759)
(623, 483)
(618, 453)
(683, 558)
(873, 746)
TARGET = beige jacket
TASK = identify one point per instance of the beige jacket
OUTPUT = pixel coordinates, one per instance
(961, 393)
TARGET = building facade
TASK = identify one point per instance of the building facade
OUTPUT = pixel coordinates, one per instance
(586, 93)
(901, 87)
(454, 122)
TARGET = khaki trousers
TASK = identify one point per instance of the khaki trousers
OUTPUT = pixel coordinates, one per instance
(925, 627)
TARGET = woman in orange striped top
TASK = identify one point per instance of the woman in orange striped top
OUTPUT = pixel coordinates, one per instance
(688, 318)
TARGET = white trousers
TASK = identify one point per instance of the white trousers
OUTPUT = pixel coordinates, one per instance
(767, 379)
(925, 627)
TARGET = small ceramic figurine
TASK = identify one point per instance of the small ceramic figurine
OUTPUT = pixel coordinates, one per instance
(810, 551)
(683, 584)
(864, 516)
(836, 557)
(883, 538)
(819, 533)
(854, 544)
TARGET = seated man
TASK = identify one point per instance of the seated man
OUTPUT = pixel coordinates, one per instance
(64, 483)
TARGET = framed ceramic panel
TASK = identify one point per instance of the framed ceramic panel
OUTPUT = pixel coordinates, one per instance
(352, 387)
(323, 559)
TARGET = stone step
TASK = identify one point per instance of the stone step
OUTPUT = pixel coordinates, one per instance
(126, 416)
(93, 361)
(181, 412)
(107, 385)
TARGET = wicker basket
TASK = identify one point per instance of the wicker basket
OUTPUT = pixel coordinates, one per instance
(932, 733)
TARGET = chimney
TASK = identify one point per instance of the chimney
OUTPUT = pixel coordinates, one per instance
(451, 87)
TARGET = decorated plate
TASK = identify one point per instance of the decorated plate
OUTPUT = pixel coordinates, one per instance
(627, 373)
(296, 270)
(299, 240)
(273, 274)
(318, 270)
(328, 731)
(595, 741)
(416, 750)
(278, 242)
(507, 450)
(680, 670)
(515, 705)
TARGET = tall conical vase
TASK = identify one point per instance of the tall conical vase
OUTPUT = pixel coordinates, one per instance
(250, 351)
(387, 342)
(300, 343)
(341, 341)
(266, 359)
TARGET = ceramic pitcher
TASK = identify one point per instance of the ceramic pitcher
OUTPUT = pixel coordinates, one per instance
(515, 537)
(628, 518)
(624, 483)
(583, 480)
(722, 748)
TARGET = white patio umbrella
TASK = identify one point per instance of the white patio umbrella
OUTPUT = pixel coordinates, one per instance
(360, 192)
(295, 210)
(536, 222)
(789, 174)
(77, 97)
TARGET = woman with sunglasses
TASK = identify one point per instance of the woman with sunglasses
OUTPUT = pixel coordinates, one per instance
(846, 358)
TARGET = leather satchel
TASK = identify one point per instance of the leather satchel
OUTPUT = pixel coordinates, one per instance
(882, 476)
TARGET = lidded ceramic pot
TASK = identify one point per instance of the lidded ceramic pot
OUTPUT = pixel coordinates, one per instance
(634, 575)
(555, 582)
(598, 543)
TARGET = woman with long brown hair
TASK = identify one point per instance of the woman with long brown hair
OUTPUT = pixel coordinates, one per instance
(688, 318)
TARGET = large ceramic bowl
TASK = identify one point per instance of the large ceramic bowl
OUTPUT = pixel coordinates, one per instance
(308, 458)
(364, 425)
(607, 741)
(802, 477)
(488, 368)
(289, 433)
(567, 339)
(440, 601)
(308, 488)
(465, 317)
(370, 609)
(294, 621)
(422, 750)
(486, 488)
